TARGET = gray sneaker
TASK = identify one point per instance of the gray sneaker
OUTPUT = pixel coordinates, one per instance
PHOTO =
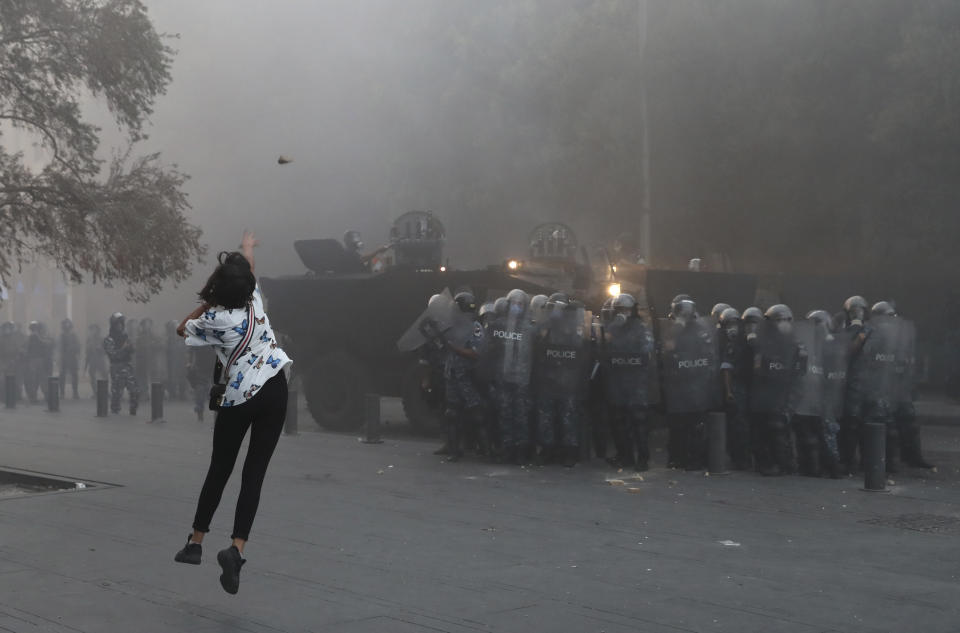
(190, 554)
(231, 562)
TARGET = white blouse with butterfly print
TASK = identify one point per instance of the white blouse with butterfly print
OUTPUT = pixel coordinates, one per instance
(262, 359)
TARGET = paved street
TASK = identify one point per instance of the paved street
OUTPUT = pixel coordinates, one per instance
(360, 538)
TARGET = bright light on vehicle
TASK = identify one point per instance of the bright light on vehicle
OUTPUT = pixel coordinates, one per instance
(513, 264)
(443, 269)
(613, 289)
(613, 268)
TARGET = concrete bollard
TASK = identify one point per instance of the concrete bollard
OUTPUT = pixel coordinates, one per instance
(290, 423)
(371, 418)
(53, 394)
(102, 397)
(874, 457)
(156, 402)
(10, 392)
(717, 443)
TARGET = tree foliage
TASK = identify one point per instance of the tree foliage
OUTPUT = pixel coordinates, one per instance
(116, 221)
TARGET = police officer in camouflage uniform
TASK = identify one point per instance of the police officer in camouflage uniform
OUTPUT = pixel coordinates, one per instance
(626, 355)
(120, 352)
(561, 364)
(856, 330)
(779, 361)
(750, 323)
(596, 405)
(736, 364)
(904, 413)
(463, 344)
(835, 376)
(512, 343)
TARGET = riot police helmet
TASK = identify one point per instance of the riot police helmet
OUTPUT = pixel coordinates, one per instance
(66, 325)
(500, 306)
(883, 308)
(560, 297)
(34, 326)
(487, 310)
(676, 301)
(518, 300)
(684, 311)
(466, 301)
(624, 303)
(856, 309)
(820, 317)
(729, 316)
(779, 312)
(752, 315)
(718, 310)
(433, 299)
(117, 320)
(538, 303)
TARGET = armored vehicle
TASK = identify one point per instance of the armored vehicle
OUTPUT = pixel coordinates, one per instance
(342, 327)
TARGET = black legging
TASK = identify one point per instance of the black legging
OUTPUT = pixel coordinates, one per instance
(265, 413)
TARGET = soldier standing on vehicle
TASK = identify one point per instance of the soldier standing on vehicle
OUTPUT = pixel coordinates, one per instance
(119, 351)
(69, 358)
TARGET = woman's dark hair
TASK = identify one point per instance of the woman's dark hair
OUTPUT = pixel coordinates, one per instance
(232, 283)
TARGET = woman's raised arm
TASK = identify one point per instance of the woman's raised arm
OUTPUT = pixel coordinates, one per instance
(247, 244)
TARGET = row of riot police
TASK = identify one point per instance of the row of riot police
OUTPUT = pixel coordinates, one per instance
(535, 379)
(34, 356)
(798, 393)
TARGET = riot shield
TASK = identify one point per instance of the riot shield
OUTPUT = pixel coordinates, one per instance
(809, 394)
(513, 341)
(432, 321)
(836, 361)
(881, 365)
(563, 354)
(906, 362)
(627, 355)
(776, 370)
(689, 363)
